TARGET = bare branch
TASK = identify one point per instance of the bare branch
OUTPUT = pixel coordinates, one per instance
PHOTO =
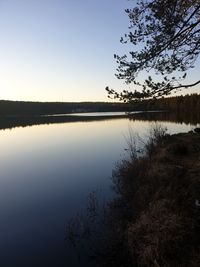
(165, 38)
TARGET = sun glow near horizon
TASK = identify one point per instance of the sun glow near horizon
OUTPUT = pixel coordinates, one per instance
(56, 50)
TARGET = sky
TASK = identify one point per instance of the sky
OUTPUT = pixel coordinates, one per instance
(61, 50)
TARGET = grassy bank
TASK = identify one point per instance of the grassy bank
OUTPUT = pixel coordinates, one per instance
(155, 218)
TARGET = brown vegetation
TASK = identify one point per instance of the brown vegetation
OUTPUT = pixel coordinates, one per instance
(155, 221)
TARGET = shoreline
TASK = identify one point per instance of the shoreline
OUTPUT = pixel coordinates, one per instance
(155, 218)
(8, 122)
(12, 121)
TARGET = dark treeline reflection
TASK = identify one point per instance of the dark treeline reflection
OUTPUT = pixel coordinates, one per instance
(23, 121)
(182, 109)
(187, 117)
(22, 108)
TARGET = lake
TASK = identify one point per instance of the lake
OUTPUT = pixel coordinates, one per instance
(47, 172)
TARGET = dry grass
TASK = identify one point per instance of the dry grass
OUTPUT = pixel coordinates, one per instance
(155, 219)
(158, 192)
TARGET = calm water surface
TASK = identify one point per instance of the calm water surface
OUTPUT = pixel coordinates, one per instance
(47, 172)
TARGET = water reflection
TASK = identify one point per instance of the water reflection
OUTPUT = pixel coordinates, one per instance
(46, 173)
(177, 117)
(23, 121)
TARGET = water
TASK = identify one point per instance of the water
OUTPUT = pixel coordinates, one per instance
(47, 172)
(93, 114)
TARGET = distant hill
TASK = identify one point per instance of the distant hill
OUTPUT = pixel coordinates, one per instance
(22, 108)
(180, 104)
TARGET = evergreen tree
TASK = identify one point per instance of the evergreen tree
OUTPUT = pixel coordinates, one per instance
(165, 35)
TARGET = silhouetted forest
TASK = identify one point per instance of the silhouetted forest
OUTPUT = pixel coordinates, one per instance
(18, 108)
(182, 109)
(177, 103)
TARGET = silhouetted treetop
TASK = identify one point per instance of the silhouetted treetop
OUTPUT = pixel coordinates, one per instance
(165, 35)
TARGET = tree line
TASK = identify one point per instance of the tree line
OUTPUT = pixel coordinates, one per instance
(22, 108)
(188, 103)
(177, 104)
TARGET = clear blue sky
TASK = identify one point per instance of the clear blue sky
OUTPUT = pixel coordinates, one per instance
(60, 50)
